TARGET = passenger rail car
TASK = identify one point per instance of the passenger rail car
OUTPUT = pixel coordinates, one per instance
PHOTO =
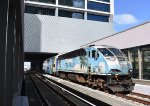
(100, 67)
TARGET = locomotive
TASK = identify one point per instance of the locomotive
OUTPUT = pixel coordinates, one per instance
(100, 67)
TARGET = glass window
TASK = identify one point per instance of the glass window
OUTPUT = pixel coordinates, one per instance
(70, 14)
(125, 52)
(97, 17)
(39, 10)
(93, 53)
(89, 54)
(116, 51)
(134, 61)
(72, 3)
(105, 52)
(44, 1)
(146, 64)
(98, 6)
(104, 0)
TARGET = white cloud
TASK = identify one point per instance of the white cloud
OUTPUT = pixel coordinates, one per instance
(125, 19)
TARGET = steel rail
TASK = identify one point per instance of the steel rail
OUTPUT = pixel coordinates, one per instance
(133, 99)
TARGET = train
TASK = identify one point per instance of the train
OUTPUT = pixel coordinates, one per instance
(100, 67)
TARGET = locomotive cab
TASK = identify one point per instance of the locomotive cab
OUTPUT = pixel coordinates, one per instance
(112, 66)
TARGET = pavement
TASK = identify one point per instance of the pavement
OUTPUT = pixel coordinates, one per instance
(144, 89)
(142, 86)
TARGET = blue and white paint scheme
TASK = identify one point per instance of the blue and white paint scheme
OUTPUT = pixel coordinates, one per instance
(104, 67)
(96, 60)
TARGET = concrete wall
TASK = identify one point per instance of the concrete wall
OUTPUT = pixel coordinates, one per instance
(59, 34)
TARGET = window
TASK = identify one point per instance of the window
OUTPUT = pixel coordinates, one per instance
(39, 10)
(89, 54)
(104, 0)
(44, 1)
(134, 61)
(72, 54)
(125, 52)
(73, 3)
(98, 6)
(105, 52)
(93, 53)
(146, 64)
(116, 51)
(70, 14)
(97, 17)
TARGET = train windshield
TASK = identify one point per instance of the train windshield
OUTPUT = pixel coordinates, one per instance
(116, 52)
(105, 52)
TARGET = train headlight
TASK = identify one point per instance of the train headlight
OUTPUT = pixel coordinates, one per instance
(130, 71)
(111, 58)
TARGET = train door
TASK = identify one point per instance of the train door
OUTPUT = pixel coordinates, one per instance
(56, 65)
(89, 60)
(51, 66)
(92, 60)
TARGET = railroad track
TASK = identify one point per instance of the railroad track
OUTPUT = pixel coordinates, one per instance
(140, 95)
(140, 98)
(67, 97)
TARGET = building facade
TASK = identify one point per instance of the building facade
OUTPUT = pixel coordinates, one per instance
(135, 43)
(97, 10)
(58, 26)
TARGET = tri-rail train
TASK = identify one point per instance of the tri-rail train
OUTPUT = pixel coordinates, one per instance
(101, 67)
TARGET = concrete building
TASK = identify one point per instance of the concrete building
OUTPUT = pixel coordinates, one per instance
(57, 26)
(135, 43)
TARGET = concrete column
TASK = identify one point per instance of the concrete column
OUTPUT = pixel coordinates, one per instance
(86, 4)
(11, 50)
(56, 10)
(85, 13)
(129, 55)
(140, 63)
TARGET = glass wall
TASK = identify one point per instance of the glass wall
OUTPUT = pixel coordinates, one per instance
(146, 64)
(98, 6)
(125, 52)
(135, 62)
(39, 10)
(145, 61)
(72, 3)
(70, 14)
(97, 17)
(44, 1)
(104, 0)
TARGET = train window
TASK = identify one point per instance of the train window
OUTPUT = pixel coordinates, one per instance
(89, 54)
(116, 51)
(72, 54)
(105, 52)
(96, 55)
(93, 53)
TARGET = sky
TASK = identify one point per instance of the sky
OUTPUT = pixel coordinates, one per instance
(129, 13)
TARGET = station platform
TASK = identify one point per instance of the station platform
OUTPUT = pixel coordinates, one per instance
(141, 82)
(142, 86)
(99, 95)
